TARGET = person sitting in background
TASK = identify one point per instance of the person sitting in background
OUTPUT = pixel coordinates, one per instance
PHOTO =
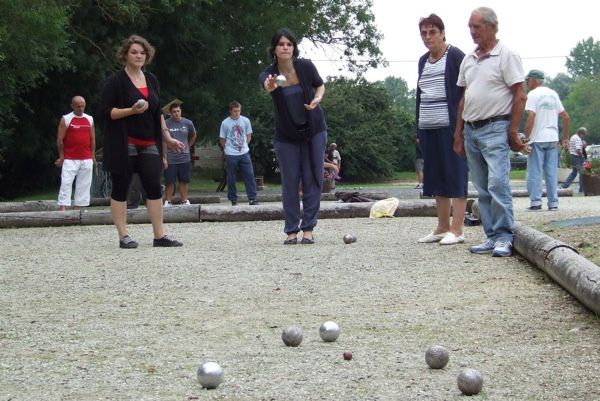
(419, 164)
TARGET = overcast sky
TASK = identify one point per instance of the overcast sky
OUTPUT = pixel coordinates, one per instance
(542, 32)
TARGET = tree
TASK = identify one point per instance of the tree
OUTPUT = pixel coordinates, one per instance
(584, 60)
(583, 104)
(209, 52)
(33, 41)
(403, 99)
(562, 84)
(368, 131)
(348, 24)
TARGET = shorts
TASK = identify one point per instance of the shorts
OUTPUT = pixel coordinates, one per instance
(181, 172)
(419, 165)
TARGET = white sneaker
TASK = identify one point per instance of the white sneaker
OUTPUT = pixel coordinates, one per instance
(503, 248)
(452, 239)
(167, 204)
(186, 202)
(431, 237)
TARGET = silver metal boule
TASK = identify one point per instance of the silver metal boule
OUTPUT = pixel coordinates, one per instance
(280, 80)
(436, 357)
(470, 382)
(349, 238)
(140, 103)
(292, 336)
(329, 331)
(210, 375)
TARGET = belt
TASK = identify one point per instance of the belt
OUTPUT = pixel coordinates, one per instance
(482, 123)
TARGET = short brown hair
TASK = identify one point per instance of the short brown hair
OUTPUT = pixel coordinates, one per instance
(126, 44)
(435, 20)
(234, 105)
(174, 106)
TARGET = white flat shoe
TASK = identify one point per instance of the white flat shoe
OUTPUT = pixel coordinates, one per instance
(452, 239)
(431, 237)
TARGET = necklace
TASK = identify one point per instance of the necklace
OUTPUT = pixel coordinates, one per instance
(434, 59)
(137, 78)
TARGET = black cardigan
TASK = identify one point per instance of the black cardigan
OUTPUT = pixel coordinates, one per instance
(309, 80)
(120, 92)
(453, 92)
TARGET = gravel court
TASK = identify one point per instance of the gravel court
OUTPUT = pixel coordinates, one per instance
(85, 320)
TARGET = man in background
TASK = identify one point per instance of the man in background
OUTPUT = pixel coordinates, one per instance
(76, 144)
(234, 137)
(179, 164)
(543, 108)
(576, 150)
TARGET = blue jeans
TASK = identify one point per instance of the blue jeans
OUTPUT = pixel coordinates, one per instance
(577, 163)
(543, 157)
(244, 163)
(489, 165)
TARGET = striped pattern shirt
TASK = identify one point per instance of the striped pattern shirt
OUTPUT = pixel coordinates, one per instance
(575, 144)
(433, 111)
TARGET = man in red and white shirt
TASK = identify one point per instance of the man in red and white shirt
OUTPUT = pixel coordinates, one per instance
(76, 143)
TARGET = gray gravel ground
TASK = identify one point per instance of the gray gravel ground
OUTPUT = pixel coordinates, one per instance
(84, 320)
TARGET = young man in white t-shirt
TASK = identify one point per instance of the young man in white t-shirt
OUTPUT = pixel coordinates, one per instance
(234, 137)
(543, 109)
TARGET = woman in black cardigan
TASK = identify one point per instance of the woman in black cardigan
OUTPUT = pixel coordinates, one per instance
(134, 133)
(300, 133)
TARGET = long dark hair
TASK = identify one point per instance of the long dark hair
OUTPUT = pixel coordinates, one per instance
(283, 32)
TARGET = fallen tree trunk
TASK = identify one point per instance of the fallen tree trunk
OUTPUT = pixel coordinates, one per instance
(39, 219)
(173, 214)
(576, 274)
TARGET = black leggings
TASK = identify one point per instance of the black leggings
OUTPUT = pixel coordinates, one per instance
(149, 167)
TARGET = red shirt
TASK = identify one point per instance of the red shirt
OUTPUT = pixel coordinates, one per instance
(137, 141)
(78, 138)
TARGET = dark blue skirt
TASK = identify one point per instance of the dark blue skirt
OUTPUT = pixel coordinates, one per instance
(444, 173)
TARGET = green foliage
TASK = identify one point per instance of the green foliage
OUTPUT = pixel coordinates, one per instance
(353, 28)
(33, 41)
(584, 60)
(368, 132)
(402, 98)
(583, 104)
(209, 52)
(562, 84)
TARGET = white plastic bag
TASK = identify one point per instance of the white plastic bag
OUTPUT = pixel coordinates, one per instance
(384, 208)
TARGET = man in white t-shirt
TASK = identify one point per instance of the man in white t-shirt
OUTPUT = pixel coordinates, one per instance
(543, 108)
(234, 137)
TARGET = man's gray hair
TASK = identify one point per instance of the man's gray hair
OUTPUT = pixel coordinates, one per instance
(489, 16)
(582, 130)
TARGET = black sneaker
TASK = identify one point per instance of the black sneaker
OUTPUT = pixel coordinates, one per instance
(166, 241)
(553, 208)
(253, 202)
(127, 242)
(233, 203)
(534, 208)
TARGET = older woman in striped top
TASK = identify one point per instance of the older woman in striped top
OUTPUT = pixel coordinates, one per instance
(445, 173)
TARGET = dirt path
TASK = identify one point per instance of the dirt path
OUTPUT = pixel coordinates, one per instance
(83, 320)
